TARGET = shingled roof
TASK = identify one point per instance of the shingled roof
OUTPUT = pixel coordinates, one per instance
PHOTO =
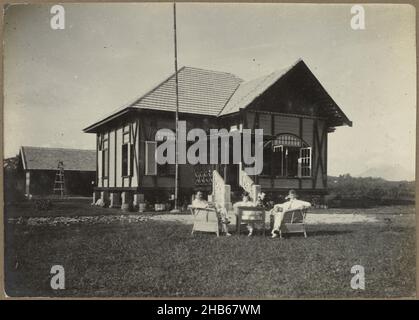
(213, 93)
(200, 92)
(247, 91)
(36, 158)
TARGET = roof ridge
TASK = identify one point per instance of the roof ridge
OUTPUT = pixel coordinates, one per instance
(228, 100)
(215, 71)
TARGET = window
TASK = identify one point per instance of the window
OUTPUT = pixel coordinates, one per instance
(287, 156)
(125, 159)
(128, 159)
(131, 159)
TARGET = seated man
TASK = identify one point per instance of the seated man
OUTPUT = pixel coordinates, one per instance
(279, 210)
(199, 202)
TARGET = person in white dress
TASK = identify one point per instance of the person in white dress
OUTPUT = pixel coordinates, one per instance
(279, 210)
(200, 202)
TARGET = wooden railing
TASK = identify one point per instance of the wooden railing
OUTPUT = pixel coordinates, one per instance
(221, 192)
(203, 175)
(249, 185)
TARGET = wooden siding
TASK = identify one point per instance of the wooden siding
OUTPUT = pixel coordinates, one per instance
(265, 122)
(286, 125)
(115, 138)
(311, 130)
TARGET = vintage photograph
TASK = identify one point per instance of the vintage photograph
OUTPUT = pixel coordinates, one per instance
(212, 150)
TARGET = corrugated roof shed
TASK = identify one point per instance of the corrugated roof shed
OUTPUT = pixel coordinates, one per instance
(36, 158)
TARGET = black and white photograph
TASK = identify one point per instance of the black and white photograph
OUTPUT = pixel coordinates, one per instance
(209, 150)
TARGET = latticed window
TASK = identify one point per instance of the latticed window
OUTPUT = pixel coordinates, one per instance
(305, 162)
(287, 156)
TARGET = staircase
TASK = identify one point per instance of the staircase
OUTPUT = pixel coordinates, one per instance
(221, 192)
(247, 183)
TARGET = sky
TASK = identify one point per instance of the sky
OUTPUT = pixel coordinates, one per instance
(57, 82)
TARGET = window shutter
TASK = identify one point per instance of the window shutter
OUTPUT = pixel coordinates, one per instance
(100, 164)
(150, 158)
(300, 165)
(304, 162)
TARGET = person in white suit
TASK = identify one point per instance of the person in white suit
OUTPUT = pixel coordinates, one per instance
(279, 210)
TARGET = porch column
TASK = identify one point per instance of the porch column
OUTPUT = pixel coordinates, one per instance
(115, 200)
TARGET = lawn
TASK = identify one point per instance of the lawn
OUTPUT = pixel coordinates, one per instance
(149, 258)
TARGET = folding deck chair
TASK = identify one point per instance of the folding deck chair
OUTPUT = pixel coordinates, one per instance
(205, 220)
(292, 222)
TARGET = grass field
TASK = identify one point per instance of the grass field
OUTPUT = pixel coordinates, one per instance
(149, 258)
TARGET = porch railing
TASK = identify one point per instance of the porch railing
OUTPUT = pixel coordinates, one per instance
(247, 183)
(221, 192)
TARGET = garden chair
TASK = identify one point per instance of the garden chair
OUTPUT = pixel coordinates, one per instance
(205, 220)
(292, 222)
(250, 214)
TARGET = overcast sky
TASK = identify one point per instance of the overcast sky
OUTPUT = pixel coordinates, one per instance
(59, 81)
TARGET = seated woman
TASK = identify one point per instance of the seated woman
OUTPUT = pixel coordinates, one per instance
(279, 210)
(246, 202)
(200, 202)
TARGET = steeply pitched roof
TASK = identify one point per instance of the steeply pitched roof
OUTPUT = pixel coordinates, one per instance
(200, 92)
(250, 90)
(214, 93)
(36, 158)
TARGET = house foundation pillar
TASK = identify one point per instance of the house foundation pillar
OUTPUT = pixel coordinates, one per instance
(126, 204)
(138, 198)
(103, 200)
(96, 197)
(115, 200)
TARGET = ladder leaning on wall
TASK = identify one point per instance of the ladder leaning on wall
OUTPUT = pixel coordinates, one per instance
(59, 184)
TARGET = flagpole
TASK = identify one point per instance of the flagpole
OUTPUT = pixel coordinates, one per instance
(175, 209)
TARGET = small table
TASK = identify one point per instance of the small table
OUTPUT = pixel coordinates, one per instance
(258, 216)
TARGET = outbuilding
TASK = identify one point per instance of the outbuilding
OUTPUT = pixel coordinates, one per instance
(38, 168)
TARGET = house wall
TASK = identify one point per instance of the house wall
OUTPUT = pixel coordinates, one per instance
(143, 128)
(126, 132)
(77, 183)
